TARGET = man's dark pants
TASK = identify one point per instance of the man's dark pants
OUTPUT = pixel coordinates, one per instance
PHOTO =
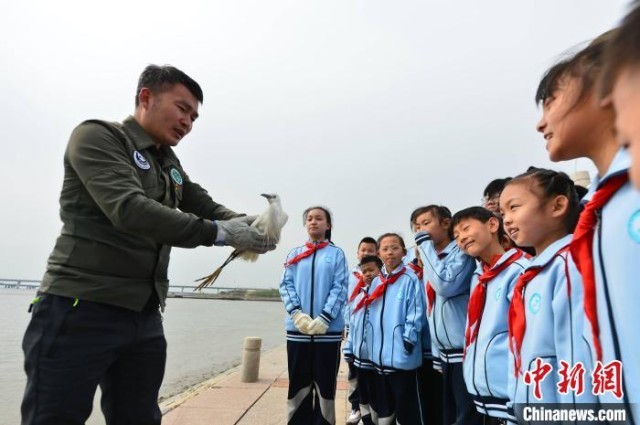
(72, 346)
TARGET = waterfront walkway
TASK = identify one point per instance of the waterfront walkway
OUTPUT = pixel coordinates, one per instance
(225, 400)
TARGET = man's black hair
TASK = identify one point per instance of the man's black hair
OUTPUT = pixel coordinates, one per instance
(160, 78)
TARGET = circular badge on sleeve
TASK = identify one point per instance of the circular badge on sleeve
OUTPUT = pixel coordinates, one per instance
(175, 176)
(633, 226)
(141, 161)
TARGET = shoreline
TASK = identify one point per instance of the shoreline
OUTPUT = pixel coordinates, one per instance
(225, 400)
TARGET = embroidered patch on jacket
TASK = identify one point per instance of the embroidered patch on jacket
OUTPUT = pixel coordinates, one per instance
(175, 176)
(535, 302)
(633, 226)
(141, 161)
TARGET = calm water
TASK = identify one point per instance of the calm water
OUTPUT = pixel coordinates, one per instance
(204, 336)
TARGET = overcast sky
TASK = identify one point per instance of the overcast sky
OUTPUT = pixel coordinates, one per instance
(371, 108)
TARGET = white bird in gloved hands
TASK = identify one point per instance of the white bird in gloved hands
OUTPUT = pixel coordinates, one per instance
(269, 224)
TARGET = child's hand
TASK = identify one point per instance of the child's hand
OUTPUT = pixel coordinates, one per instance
(421, 237)
(318, 326)
(408, 346)
(301, 321)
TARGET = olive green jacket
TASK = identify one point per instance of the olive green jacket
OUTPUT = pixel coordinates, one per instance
(119, 208)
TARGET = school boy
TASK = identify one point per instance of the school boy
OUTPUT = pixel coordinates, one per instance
(367, 247)
(479, 232)
(448, 271)
(356, 351)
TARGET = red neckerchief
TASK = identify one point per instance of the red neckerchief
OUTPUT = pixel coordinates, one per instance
(417, 270)
(380, 289)
(517, 315)
(311, 248)
(479, 294)
(358, 286)
(431, 293)
(582, 250)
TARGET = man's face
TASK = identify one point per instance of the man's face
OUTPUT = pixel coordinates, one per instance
(167, 116)
(626, 102)
(369, 272)
(366, 249)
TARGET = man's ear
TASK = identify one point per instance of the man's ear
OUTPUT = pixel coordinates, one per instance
(144, 97)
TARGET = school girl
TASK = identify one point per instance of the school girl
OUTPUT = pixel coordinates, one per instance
(356, 351)
(606, 243)
(448, 272)
(546, 316)
(395, 315)
(480, 234)
(621, 82)
(314, 291)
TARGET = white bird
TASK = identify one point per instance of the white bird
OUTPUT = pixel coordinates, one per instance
(269, 224)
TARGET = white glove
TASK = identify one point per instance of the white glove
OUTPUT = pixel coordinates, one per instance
(301, 321)
(318, 326)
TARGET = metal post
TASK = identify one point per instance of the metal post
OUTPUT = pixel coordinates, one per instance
(251, 359)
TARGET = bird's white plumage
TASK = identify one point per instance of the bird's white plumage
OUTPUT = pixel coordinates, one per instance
(269, 223)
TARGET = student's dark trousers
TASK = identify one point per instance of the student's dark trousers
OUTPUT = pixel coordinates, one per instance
(367, 388)
(354, 392)
(458, 406)
(71, 347)
(431, 392)
(313, 371)
(398, 394)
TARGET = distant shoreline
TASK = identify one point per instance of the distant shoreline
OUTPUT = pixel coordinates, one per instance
(234, 294)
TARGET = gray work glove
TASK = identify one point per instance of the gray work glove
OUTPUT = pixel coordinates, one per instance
(246, 219)
(242, 237)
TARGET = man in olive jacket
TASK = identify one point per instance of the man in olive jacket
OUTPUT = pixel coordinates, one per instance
(125, 201)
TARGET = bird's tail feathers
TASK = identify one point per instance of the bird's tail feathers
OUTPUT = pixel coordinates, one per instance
(210, 279)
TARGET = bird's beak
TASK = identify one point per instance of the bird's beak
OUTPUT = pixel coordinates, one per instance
(267, 195)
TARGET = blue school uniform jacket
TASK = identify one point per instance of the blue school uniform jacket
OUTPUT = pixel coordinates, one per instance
(554, 312)
(396, 317)
(616, 256)
(429, 351)
(316, 285)
(353, 278)
(356, 345)
(450, 276)
(487, 356)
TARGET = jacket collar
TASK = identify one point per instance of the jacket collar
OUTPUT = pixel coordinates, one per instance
(504, 257)
(140, 138)
(620, 164)
(547, 255)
